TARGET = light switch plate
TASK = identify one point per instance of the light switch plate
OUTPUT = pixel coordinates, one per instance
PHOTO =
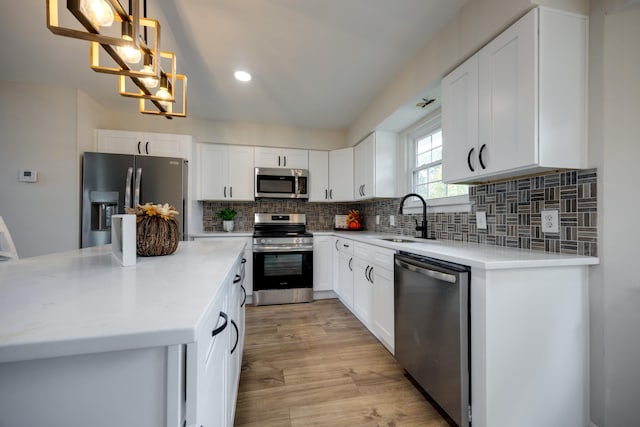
(392, 220)
(481, 220)
(549, 221)
(28, 175)
(377, 219)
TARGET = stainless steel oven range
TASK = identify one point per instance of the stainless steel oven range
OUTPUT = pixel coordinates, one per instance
(282, 259)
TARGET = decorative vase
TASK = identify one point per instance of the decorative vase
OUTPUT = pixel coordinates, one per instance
(227, 225)
(156, 236)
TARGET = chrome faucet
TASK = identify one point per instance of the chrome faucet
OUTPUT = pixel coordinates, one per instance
(422, 228)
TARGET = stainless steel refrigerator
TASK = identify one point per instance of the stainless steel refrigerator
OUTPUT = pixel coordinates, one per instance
(111, 182)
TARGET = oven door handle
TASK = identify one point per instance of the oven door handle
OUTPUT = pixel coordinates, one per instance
(262, 249)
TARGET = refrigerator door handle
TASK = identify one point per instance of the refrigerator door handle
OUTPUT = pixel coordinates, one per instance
(136, 194)
(127, 189)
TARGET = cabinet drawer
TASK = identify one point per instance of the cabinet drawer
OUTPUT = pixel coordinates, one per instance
(383, 258)
(346, 246)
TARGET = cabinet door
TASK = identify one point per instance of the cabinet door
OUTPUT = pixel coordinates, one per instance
(383, 309)
(295, 159)
(119, 142)
(166, 145)
(318, 176)
(335, 255)
(345, 280)
(212, 171)
(341, 175)
(508, 99)
(240, 173)
(460, 122)
(322, 263)
(362, 291)
(266, 157)
(364, 161)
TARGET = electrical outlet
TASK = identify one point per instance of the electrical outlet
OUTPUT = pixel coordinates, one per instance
(377, 219)
(481, 220)
(549, 221)
(392, 220)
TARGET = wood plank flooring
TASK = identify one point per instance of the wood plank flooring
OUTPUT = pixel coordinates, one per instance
(317, 365)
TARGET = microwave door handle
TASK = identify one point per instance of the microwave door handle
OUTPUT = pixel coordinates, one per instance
(136, 193)
(127, 189)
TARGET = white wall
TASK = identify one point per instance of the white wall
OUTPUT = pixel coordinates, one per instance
(38, 131)
(241, 133)
(40, 127)
(620, 205)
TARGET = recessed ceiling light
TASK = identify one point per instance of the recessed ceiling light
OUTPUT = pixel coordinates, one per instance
(243, 76)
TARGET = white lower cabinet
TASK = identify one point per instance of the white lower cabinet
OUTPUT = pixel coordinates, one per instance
(344, 284)
(363, 281)
(322, 263)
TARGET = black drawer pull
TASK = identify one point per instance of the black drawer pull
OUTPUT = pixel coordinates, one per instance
(221, 328)
(469, 160)
(237, 336)
(244, 260)
(237, 279)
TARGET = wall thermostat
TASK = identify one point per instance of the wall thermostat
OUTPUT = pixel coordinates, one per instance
(28, 175)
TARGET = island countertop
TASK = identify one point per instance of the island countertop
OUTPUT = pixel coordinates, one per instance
(84, 301)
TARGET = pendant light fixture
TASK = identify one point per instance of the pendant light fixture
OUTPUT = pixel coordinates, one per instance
(126, 49)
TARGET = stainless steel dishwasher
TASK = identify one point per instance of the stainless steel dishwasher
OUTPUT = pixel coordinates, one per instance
(432, 331)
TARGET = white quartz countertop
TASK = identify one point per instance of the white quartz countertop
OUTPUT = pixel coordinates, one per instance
(84, 301)
(486, 257)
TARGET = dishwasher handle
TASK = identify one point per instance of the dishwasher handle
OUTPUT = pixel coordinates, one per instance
(451, 278)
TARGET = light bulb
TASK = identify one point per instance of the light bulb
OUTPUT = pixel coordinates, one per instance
(98, 12)
(129, 54)
(163, 93)
(150, 82)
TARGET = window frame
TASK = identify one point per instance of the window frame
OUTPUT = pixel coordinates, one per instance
(458, 203)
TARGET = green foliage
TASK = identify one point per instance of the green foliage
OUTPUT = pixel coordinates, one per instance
(228, 214)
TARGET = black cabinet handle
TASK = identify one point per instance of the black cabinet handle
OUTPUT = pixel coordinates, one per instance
(244, 261)
(221, 328)
(337, 245)
(364, 191)
(345, 245)
(278, 160)
(146, 147)
(331, 193)
(139, 142)
(480, 156)
(237, 278)
(231, 191)
(350, 259)
(326, 194)
(285, 161)
(245, 296)
(237, 336)
(469, 160)
(225, 191)
(366, 273)
(370, 274)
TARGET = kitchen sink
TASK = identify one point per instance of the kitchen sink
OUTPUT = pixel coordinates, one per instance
(399, 240)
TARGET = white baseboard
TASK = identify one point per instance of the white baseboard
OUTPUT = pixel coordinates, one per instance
(324, 295)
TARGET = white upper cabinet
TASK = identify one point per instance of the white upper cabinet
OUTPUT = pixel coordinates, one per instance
(375, 166)
(341, 175)
(266, 157)
(145, 144)
(519, 106)
(318, 176)
(225, 172)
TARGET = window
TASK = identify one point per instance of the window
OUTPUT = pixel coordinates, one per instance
(424, 149)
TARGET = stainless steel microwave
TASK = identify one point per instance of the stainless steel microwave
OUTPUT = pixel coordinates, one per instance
(276, 183)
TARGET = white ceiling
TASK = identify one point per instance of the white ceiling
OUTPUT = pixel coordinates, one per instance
(315, 63)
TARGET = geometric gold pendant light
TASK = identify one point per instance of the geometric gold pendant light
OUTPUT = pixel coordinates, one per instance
(132, 58)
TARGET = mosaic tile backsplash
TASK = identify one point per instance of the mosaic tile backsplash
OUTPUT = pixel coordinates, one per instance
(512, 209)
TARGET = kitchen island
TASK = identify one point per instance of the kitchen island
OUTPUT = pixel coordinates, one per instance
(85, 341)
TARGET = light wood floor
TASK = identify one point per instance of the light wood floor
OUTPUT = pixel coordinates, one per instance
(316, 365)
